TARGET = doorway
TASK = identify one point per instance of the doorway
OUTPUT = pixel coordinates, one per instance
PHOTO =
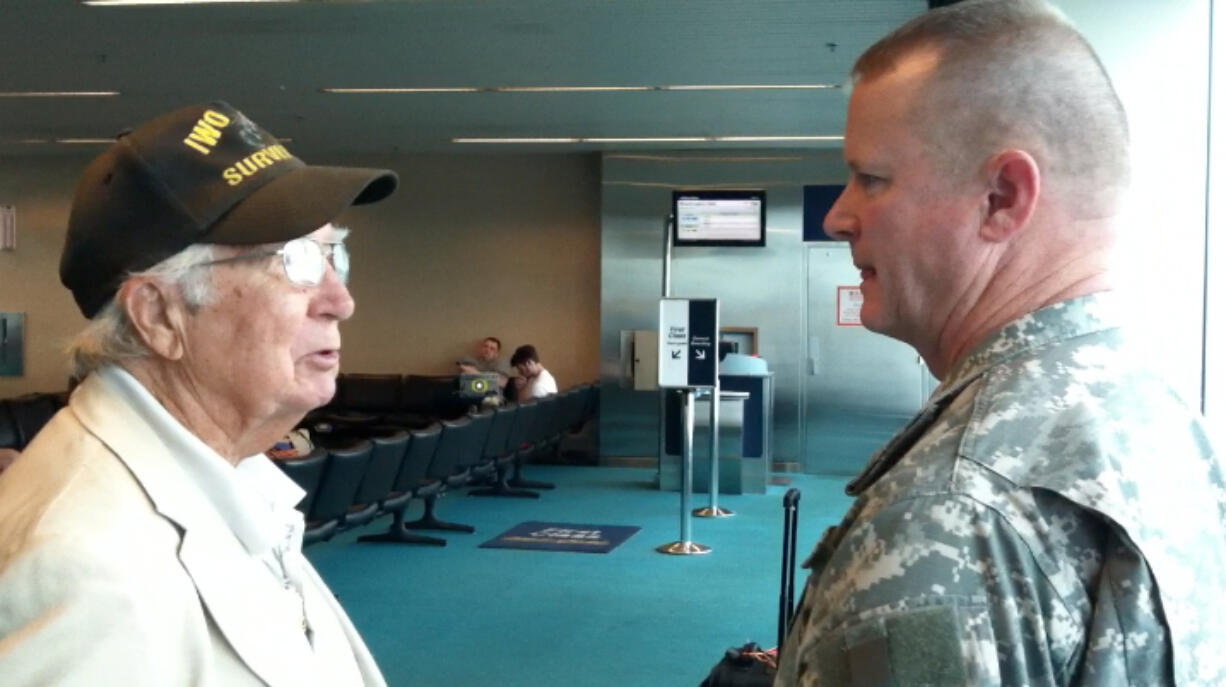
(859, 387)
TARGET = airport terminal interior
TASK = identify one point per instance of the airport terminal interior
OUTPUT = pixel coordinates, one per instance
(559, 163)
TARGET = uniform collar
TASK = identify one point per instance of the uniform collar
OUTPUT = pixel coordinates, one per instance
(1057, 322)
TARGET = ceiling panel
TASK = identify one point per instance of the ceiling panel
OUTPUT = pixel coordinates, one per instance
(271, 61)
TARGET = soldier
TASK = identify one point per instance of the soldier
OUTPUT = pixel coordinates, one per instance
(1055, 514)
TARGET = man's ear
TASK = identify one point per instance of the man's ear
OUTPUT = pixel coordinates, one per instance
(156, 314)
(1013, 193)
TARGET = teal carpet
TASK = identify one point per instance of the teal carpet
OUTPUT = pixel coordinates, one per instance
(462, 615)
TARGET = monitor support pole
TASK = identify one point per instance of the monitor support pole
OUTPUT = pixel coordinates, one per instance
(665, 292)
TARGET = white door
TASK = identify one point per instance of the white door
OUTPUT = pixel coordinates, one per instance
(860, 387)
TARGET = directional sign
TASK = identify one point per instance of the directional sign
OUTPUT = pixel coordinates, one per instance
(688, 340)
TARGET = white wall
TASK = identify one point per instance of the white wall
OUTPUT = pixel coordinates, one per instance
(41, 190)
(1158, 56)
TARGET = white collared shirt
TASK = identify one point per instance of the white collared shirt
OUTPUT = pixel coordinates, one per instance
(256, 500)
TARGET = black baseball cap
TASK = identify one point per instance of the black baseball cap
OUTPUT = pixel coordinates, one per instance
(200, 174)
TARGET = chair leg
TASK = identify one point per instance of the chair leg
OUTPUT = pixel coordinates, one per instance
(402, 537)
(502, 488)
(487, 475)
(396, 534)
(428, 522)
(518, 481)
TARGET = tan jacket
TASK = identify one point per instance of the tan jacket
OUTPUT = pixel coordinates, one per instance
(116, 570)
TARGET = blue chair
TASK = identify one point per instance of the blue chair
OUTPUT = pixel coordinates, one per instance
(459, 444)
(504, 439)
(341, 478)
(410, 481)
(306, 471)
(386, 457)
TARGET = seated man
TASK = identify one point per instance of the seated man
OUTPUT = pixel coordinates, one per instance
(487, 361)
(534, 381)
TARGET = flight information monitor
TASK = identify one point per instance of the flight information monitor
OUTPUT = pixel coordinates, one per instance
(719, 218)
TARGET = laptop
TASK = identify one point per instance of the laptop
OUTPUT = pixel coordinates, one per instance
(476, 386)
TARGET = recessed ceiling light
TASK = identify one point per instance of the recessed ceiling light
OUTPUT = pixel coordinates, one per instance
(655, 157)
(754, 87)
(648, 139)
(516, 140)
(58, 94)
(652, 139)
(583, 89)
(124, 3)
(570, 89)
(54, 141)
(456, 89)
(738, 139)
(675, 185)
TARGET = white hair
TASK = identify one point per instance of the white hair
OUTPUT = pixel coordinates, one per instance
(110, 338)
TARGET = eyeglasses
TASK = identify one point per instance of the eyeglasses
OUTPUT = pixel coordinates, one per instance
(303, 259)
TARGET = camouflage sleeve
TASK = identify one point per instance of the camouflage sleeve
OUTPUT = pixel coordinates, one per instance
(937, 590)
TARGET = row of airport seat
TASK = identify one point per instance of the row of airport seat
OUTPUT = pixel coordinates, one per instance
(352, 484)
(23, 416)
(405, 400)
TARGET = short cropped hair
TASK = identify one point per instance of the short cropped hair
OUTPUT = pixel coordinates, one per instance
(110, 338)
(523, 354)
(1014, 73)
(496, 341)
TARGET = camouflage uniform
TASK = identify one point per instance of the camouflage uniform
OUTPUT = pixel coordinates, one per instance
(1054, 516)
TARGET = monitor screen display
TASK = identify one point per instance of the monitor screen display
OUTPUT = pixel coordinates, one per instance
(719, 218)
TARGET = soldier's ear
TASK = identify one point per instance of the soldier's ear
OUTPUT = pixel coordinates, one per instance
(1013, 185)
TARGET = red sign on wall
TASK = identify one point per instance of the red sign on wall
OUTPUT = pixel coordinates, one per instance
(849, 301)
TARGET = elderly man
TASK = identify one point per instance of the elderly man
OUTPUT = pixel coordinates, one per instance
(1055, 515)
(146, 540)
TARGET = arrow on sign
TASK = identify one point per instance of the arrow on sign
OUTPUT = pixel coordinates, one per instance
(677, 354)
(700, 354)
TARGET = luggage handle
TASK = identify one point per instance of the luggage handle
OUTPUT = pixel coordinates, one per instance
(786, 584)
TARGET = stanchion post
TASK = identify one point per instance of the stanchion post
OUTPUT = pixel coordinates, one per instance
(713, 510)
(685, 546)
(687, 466)
(714, 452)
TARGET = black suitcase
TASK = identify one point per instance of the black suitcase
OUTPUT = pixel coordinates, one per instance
(748, 665)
